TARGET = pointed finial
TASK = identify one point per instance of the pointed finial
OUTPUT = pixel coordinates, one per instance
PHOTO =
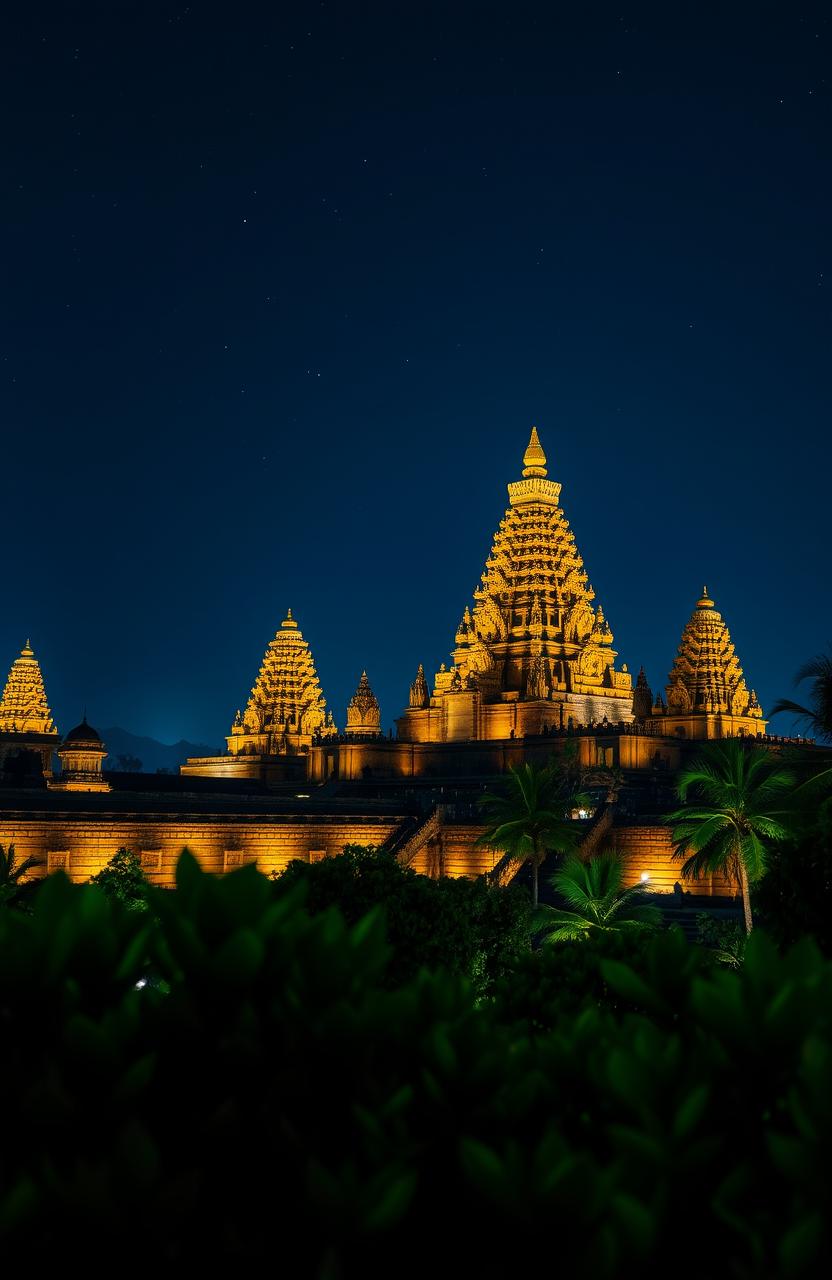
(288, 621)
(534, 459)
(704, 601)
(27, 650)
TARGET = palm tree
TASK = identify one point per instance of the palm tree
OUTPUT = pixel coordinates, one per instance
(593, 890)
(529, 819)
(12, 873)
(818, 715)
(739, 808)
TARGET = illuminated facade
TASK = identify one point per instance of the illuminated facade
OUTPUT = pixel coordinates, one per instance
(533, 676)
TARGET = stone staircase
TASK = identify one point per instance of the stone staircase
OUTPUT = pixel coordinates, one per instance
(414, 835)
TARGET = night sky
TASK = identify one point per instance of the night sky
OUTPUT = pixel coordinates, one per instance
(285, 287)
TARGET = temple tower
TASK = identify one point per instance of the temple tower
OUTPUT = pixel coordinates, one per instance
(26, 724)
(286, 709)
(642, 698)
(363, 712)
(532, 651)
(707, 696)
(81, 755)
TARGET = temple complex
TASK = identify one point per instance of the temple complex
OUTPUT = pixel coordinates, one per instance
(532, 677)
(531, 652)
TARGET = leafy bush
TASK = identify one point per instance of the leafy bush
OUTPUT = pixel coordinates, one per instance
(794, 898)
(279, 1101)
(467, 926)
(124, 879)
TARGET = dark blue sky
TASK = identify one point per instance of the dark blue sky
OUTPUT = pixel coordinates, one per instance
(282, 295)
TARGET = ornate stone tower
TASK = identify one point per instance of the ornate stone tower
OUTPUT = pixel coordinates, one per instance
(286, 709)
(363, 712)
(707, 696)
(81, 755)
(642, 698)
(531, 651)
(26, 724)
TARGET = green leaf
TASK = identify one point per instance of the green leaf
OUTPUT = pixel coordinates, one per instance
(240, 958)
(800, 1247)
(691, 1111)
(393, 1205)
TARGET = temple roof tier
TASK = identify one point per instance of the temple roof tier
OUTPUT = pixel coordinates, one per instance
(706, 675)
(23, 706)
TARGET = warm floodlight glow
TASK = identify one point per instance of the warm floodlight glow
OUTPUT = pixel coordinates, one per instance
(644, 877)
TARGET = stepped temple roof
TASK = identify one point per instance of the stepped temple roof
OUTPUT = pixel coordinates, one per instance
(533, 629)
(363, 711)
(706, 675)
(23, 706)
(286, 708)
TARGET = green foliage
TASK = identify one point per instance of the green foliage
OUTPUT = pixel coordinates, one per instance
(467, 926)
(278, 1098)
(593, 889)
(740, 808)
(528, 819)
(123, 878)
(794, 898)
(15, 890)
(817, 716)
(725, 939)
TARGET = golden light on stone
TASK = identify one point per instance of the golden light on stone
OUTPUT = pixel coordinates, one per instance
(707, 696)
(531, 651)
(23, 707)
(286, 709)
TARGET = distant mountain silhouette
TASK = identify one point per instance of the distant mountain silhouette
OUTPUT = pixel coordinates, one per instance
(152, 754)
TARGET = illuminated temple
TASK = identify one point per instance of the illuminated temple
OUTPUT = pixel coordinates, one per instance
(533, 675)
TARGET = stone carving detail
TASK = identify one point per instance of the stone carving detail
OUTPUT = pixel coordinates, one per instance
(532, 630)
(706, 675)
(419, 694)
(286, 708)
(363, 711)
(23, 706)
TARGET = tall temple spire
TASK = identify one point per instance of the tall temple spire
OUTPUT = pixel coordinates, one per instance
(532, 644)
(286, 708)
(534, 459)
(23, 706)
(706, 680)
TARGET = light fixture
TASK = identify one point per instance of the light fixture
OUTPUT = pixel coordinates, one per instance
(644, 877)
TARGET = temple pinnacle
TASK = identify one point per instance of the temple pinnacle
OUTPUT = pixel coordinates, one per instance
(534, 459)
(288, 621)
(704, 601)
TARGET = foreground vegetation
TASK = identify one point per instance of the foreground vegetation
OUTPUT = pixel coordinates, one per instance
(233, 1074)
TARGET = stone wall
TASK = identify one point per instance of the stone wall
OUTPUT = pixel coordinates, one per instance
(82, 847)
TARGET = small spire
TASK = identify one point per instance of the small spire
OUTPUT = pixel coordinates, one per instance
(288, 622)
(704, 601)
(534, 459)
(27, 651)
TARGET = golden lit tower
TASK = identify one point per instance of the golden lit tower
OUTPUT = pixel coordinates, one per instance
(286, 709)
(707, 696)
(363, 712)
(531, 651)
(23, 707)
(27, 729)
